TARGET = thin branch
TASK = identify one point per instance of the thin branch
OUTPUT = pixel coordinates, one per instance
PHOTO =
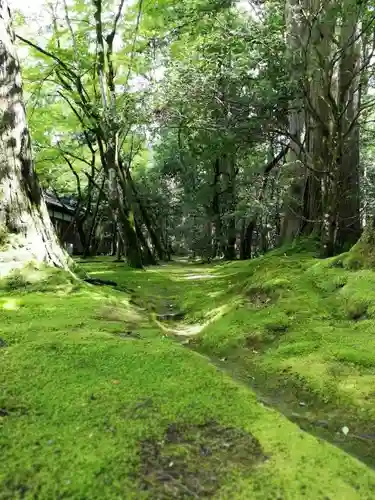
(140, 5)
(67, 19)
(111, 36)
(48, 54)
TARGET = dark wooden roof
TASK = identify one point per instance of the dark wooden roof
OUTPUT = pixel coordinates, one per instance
(64, 204)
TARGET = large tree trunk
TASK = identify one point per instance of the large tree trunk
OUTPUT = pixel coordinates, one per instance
(295, 172)
(329, 176)
(109, 152)
(348, 213)
(319, 88)
(27, 231)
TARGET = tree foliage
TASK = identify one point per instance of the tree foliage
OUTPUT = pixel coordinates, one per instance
(205, 127)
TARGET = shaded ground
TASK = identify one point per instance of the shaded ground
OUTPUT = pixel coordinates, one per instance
(212, 450)
(98, 399)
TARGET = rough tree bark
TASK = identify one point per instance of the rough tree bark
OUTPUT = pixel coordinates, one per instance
(318, 83)
(27, 232)
(349, 102)
(328, 39)
(295, 171)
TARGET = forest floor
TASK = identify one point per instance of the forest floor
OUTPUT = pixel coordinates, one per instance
(232, 380)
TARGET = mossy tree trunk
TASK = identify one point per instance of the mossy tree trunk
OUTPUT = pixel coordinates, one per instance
(27, 232)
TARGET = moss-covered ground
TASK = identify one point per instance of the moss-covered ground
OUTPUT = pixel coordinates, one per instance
(259, 390)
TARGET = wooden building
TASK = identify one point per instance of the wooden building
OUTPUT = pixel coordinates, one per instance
(62, 212)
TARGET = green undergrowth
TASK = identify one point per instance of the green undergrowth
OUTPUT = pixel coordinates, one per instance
(98, 401)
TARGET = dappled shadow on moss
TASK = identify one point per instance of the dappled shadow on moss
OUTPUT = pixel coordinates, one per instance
(191, 461)
(260, 342)
(259, 297)
(265, 294)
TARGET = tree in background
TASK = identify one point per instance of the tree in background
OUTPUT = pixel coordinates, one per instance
(331, 49)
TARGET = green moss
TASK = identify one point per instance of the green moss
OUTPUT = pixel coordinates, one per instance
(356, 309)
(16, 281)
(290, 317)
(266, 293)
(310, 246)
(277, 324)
(362, 254)
(87, 410)
(32, 279)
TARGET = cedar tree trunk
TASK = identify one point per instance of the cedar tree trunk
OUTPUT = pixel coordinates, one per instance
(26, 232)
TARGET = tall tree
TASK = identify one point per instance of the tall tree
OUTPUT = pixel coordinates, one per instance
(326, 42)
(26, 230)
